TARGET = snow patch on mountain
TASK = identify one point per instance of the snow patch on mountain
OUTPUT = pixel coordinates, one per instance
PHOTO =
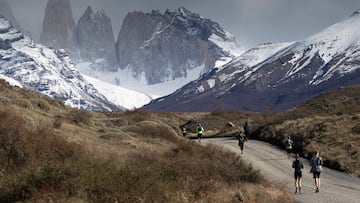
(119, 95)
(47, 71)
(228, 45)
(339, 39)
(251, 60)
(125, 79)
(11, 81)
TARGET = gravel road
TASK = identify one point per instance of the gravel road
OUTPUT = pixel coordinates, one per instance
(274, 164)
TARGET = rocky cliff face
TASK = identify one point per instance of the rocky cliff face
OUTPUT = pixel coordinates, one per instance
(58, 26)
(96, 40)
(162, 47)
(286, 78)
(47, 71)
(6, 12)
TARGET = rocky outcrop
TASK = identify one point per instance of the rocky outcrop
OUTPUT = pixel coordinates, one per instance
(96, 39)
(166, 46)
(286, 78)
(58, 26)
(6, 12)
(153, 47)
(47, 71)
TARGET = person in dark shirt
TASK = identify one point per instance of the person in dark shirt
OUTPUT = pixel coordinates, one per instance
(297, 165)
(242, 139)
(316, 163)
(246, 129)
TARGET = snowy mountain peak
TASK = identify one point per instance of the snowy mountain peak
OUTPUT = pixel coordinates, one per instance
(47, 71)
(277, 76)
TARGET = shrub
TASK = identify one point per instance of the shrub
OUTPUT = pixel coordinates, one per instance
(152, 129)
(41, 104)
(24, 103)
(356, 129)
(80, 116)
(58, 122)
(12, 140)
(137, 115)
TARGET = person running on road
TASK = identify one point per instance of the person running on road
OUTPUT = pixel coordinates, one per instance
(242, 139)
(289, 146)
(297, 166)
(316, 163)
(246, 128)
(184, 131)
(199, 131)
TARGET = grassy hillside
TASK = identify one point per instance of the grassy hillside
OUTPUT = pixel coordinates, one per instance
(53, 153)
(329, 123)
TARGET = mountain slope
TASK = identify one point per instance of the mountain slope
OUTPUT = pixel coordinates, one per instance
(6, 12)
(47, 71)
(160, 47)
(298, 71)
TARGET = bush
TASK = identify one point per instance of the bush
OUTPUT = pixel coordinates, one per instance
(152, 129)
(24, 103)
(58, 122)
(137, 115)
(41, 104)
(32, 159)
(80, 116)
(12, 140)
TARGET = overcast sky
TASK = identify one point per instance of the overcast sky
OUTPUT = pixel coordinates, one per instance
(251, 21)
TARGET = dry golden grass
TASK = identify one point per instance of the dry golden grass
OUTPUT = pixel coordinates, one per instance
(51, 153)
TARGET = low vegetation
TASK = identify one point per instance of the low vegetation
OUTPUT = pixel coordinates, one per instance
(329, 123)
(51, 153)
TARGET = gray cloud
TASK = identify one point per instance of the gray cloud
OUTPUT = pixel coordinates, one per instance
(251, 21)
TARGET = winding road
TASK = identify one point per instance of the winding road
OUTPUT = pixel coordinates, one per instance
(274, 164)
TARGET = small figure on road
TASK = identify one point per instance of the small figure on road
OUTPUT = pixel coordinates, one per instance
(289, 146)
(246, 128)
(199, 131)
(242, 139)
(316, 163)
(297, 166)
(184, 131)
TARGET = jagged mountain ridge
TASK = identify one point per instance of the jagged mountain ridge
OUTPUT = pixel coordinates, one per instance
(89, 40)
(162, 47)
(303, 69)
(151, 48)
(47, 71)
(5, 11)
(96, 40)
(59, 30)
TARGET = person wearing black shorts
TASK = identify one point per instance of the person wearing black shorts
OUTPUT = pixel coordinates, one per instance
(297, 165)
(316, 163)
(199, 131)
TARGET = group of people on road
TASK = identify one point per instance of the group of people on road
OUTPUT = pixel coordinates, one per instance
(316, 163)
(199, 131)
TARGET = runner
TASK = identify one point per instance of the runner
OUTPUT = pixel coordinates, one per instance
(246, 128)
(316, 163)
(297, 165)
(199, 131)
(289, 144)
(242, 139)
